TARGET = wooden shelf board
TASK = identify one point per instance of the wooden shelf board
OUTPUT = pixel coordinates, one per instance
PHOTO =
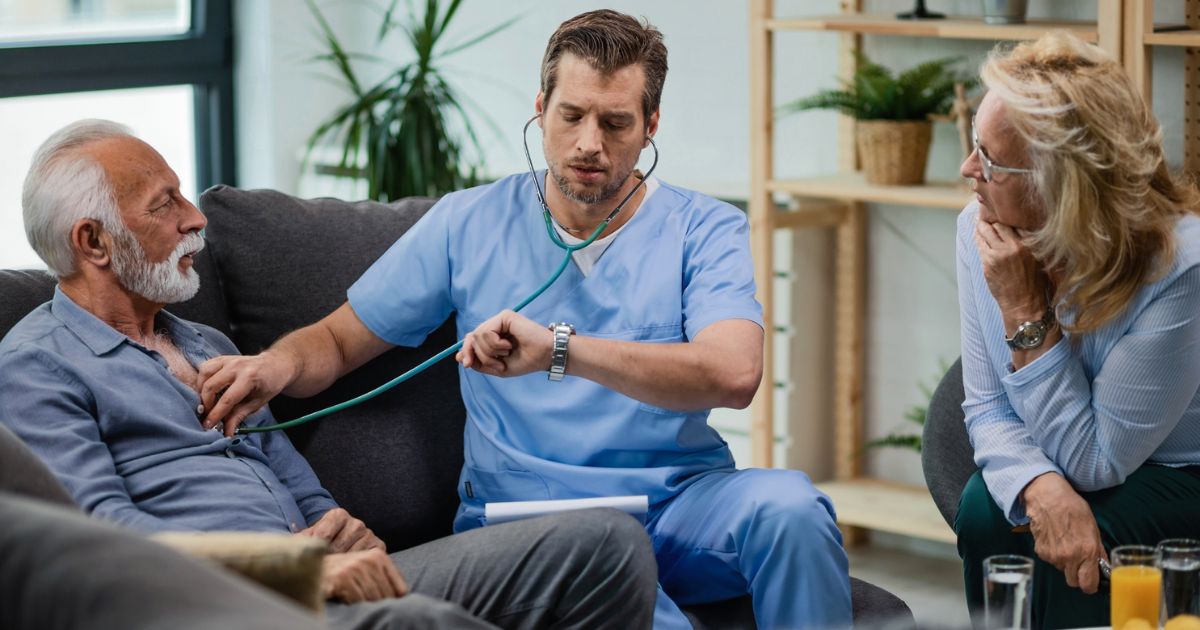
(1189, 39)
(854, 187)
(950, 28)
(888, 507)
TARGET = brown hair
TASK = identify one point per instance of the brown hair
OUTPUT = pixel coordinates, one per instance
(1110, 203)
(609, 41)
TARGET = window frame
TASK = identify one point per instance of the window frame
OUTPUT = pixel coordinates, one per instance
(202, 57)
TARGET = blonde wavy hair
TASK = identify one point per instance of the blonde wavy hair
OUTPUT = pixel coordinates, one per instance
(1109, 201)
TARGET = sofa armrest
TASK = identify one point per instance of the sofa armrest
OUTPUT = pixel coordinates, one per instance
(287, 564)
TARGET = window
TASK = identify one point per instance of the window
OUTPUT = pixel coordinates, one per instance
(163, 67)
(34, 20)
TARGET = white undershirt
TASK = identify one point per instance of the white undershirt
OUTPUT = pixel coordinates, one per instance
(586, 258)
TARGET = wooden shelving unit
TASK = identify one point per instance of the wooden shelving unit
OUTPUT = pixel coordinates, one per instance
(1140, 38)
(1184, 39)
(888, 507)
(839, 202)
(950, 28)
(850, 187)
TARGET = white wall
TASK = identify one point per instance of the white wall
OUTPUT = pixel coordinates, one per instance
(913, 321)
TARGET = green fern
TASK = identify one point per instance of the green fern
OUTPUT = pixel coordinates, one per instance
(898, 441)
(875, 93)
(914, 414)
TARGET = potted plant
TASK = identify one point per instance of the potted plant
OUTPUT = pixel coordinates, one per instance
(398, 133)
(893, 113)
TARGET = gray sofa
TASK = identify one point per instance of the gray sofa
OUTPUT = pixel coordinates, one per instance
(275, 263)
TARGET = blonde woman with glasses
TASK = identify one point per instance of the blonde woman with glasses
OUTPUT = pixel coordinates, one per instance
(1079, 289)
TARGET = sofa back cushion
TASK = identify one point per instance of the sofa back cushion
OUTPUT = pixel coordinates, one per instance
(25, 290)
(285, 263)
(22, 291)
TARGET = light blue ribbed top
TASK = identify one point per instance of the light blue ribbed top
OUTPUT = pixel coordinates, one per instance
(1095, 407)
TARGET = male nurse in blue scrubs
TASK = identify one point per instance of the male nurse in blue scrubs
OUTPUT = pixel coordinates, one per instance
(601, 386)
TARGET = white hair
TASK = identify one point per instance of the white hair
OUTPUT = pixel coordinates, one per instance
(65, 185)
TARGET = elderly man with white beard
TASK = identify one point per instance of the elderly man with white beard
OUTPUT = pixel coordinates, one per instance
(101, 383)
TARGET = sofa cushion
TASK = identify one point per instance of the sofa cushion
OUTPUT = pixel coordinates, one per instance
(23, 291)
(285, 263)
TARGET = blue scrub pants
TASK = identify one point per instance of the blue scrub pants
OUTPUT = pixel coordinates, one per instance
(766, 532)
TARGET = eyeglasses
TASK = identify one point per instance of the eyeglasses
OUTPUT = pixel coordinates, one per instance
(990, 167)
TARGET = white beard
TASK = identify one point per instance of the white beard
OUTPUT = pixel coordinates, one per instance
(161, 282)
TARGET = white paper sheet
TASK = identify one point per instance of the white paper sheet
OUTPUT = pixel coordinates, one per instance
(505, 511)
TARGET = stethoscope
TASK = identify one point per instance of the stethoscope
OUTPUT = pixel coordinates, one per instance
(554, 238)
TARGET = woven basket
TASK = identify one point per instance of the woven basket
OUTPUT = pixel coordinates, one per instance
(894, 152)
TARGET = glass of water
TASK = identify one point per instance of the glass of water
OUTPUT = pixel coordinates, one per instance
(1007, 592)
(1179, 559)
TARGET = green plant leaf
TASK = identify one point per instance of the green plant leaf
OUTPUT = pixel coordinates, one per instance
(386, 23)
(445, 23)
(336, 52)
(916, 414)
(828, 99)
(479, 38)
(874, 93)
(898, 441)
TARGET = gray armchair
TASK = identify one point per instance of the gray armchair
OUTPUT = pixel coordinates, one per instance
(947, 458)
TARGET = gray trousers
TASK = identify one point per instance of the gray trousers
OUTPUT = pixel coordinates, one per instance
(586, 569)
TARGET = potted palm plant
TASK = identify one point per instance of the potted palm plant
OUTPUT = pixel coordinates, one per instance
(398, 133)
(893, 113)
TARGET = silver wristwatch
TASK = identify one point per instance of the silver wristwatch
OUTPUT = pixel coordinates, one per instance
(1031, 335)
(558, 356)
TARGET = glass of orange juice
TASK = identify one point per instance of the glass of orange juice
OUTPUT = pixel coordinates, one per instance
(1136, 586)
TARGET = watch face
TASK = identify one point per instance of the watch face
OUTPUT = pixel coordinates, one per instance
(1031, 335)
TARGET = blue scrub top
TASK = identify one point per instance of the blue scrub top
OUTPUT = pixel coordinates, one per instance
(681, 263)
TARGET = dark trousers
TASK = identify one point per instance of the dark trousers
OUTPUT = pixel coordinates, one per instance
(585, 569)
(1154, 503)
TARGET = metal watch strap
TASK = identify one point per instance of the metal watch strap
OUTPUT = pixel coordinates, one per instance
(558, 356)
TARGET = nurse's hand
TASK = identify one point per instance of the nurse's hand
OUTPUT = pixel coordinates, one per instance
(233, 387)
(508, 344)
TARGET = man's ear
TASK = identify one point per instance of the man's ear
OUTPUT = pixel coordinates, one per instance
(90, 242)
(651, 127)
(539, 106)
